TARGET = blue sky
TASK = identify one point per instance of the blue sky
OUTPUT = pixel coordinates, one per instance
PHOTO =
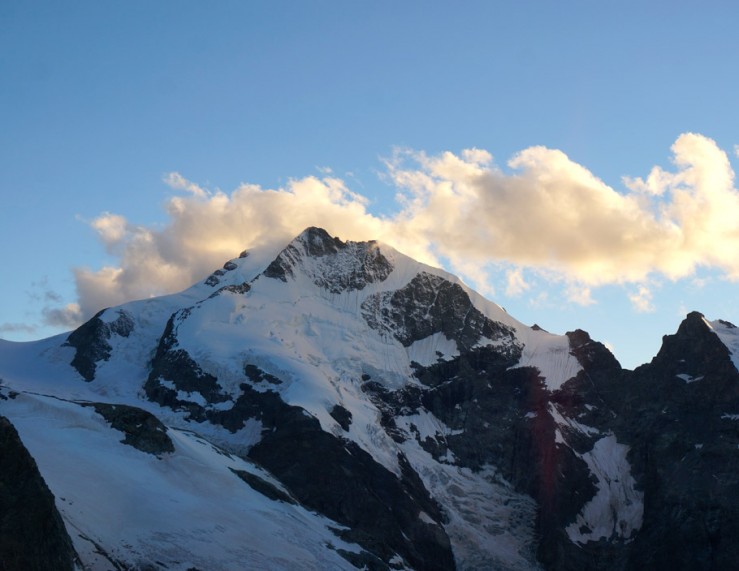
(100, 102)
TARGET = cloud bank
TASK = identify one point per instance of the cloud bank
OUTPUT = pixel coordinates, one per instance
(546, 215)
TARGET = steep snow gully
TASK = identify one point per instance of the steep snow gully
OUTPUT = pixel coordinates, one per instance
(338, 405)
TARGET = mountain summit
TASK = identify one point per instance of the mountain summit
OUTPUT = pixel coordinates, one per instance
(342, 406)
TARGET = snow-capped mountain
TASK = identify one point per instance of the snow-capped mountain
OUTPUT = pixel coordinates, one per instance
(338, 405)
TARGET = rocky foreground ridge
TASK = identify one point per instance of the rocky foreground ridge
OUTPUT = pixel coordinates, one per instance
(337, 405)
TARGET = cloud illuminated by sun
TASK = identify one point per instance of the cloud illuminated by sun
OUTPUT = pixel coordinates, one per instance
(546, 214)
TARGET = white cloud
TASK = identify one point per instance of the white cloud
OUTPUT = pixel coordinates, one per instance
(655, 184)
(111, 229)
(540, 300)
(176, 181)
(553, 214)
(641, 299)
(547, 216)
(579, 294)
(700, 282)
(516, 284)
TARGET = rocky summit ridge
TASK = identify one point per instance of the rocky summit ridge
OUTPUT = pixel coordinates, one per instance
(338, 405)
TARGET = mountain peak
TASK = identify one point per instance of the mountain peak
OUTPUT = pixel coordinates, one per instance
(698, 349)
(318, 242)
(329, 262)
(428, 418)
(694, 327)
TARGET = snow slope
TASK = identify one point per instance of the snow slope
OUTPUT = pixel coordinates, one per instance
(181, 510)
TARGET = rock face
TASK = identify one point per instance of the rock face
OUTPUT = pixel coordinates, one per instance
(428, 427)
(174, 370)
(141, 429)
(353, 265)
(507, 418)
(32, 534)
(91, 341)
(342, 481)
(430, 304)
(679, 415)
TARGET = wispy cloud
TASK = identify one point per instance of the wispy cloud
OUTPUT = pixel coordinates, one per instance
(52, 311)
(516, 284)
(641, 299)
(176, 181)
(17, 328)
(65, 317)
(544, 215)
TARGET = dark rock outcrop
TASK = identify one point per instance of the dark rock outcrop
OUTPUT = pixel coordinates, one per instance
(239, 289)
(257, 375)
(32, 533)
(215, 278)
(501, 416)
(173, 365)
(337, 478)
(263, 486)
(430, 304)
(91, 341)
(142, 429)
(342, 416)
(677, 415)
(265, 406)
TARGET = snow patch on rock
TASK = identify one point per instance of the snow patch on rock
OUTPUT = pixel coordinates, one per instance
(432, 349)
(728, 333)
(689, 378)
(550, 354)
(616, 510)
